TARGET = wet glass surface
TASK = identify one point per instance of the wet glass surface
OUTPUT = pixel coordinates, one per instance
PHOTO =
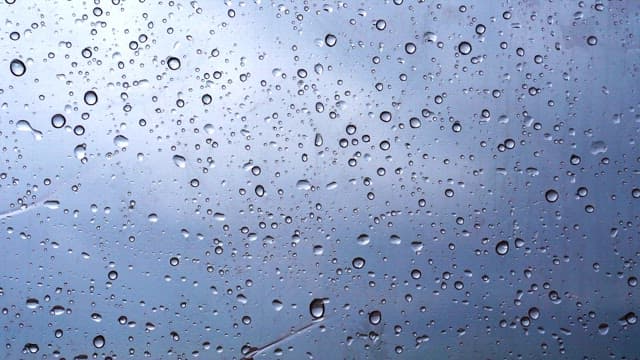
(319, 180)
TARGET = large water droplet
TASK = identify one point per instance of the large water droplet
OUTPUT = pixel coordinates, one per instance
(173, 63)
(551, 196)
(98, 341)
(121, 141)
(58, 121)
(90, 98)
(330, 40)
(502, 247)
(316, 308)
(24, 125)
(464, 48)
(180, 161)
(17, 67)
(375, 317)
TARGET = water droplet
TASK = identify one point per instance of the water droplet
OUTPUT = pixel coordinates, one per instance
(381, 24)
(17, 67)
(32, 303)
(358, 262)
(551, 196)
(24, 125)
(194, 183)
(603, 329)
(592, 40)
(575, 159)
(416, 274)
(375, 317)
(318, 141)
(464, 48)
(316, 308)
(410, 48)
(385, 116)
(174, 261)
(173, 63)
(99, 342)
(502, 247)
(630, 318)
(303, 185)
(31, 348)
(51, 204)
(534, 313)
(180, 161)
(58, 121)
(635, 193)
(277, 305)
(112, 275)
(330, 40)
(415, 123)
(90, 98)
(207, 99)
(121, 141)
(363, 239)
(57, 310)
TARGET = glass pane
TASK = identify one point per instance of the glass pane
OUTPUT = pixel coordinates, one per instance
(319, 180)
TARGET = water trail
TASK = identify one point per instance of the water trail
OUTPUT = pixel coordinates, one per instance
(290, 335)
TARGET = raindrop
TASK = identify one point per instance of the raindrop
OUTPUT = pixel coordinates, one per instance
(575, 159)
(381, 24)
(31, 348)
(358, 262)
(90, 97)
(17, 67)
(58, 121)
(330, 40)
(502, 247)
(603, 329)
(173, 63)
(98, 342)
(363, 239)
(316, 308)
(113, 275)
(375, 317)
(551, 196)
(179, 161)
(121, 141)
(592, 40)
(32, 303)
(410, 48)
(464, 48)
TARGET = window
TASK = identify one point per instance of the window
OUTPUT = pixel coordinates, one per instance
(319, 180)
